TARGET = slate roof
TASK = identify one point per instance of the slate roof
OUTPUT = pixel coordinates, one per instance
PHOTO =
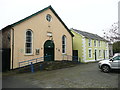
(49, 7)
(89, 35)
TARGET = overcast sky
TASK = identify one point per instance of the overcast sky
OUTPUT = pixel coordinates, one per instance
(86, 15)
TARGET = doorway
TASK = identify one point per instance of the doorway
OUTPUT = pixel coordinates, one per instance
(104, 54)
(95, 54)
(5, 53)
(49, 50)
(75, 55)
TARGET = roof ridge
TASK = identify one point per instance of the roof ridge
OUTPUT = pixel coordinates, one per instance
(89, 35)
(85, 31)
(30, 16)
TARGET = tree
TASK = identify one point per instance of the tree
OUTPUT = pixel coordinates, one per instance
(112, 33)
(116, 47)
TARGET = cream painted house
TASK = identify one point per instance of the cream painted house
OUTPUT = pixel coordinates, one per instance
(38, 35)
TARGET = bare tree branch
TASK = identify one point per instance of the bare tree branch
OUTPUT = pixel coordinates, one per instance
(112, 33)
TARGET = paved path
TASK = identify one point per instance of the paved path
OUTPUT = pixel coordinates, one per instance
(81, 76)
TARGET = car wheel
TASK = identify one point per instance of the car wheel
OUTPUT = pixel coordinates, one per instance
(105, 68)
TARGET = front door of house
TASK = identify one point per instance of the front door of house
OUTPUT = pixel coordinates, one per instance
(49, 51)
(104, 54)
(95, 54)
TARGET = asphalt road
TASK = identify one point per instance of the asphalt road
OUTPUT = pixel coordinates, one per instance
(80, 76)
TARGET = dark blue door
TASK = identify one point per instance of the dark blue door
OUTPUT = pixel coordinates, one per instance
(49, 51)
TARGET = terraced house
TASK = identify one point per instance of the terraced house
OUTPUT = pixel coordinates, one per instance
(89, 47)
(39, 35)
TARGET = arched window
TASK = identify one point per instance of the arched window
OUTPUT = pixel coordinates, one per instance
(63, 44)
(28, 42)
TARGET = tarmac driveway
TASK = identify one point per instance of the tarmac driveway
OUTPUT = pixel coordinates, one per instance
(80, 76)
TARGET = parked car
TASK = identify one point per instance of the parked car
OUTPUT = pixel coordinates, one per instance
(116, 54)
(107, 65)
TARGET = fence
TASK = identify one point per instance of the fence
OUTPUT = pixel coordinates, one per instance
(73, 58)
(28, 62)
(31, 62)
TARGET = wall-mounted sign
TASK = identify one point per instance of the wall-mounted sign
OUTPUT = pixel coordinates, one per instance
(37, 51)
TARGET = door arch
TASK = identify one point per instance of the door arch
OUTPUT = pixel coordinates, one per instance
(49, 50)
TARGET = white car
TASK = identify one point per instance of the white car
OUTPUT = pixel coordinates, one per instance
(107, 65)
(116, 54)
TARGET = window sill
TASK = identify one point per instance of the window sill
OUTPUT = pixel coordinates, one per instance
(64, 54)
(29, 54)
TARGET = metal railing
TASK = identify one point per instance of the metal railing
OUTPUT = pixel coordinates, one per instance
(31, 62)
(73, 58)
(28, 62)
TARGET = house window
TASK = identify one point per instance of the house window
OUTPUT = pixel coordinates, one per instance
(48, 17)
(95, 43)
(90, 53)
(89, 42)
(106, 53)
(63, 44)
(106, 44)
(28, 42)
(110, 52)
(99, 43)
(100, 53)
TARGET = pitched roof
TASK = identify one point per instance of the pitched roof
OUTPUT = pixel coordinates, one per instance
(18, 22)
(49, 7)
(89, 35)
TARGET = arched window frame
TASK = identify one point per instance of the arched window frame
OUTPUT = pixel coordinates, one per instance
(64, 39)
(30, 43)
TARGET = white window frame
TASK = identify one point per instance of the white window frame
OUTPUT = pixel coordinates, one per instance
(89, 42)
(100, 53)
(64, 44)
(95, 44)
(99, 43)
(31, 43)
(106, 51)
(89, 53)
(106, 44)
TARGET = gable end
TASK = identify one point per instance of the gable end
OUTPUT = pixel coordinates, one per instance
(49, 7)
